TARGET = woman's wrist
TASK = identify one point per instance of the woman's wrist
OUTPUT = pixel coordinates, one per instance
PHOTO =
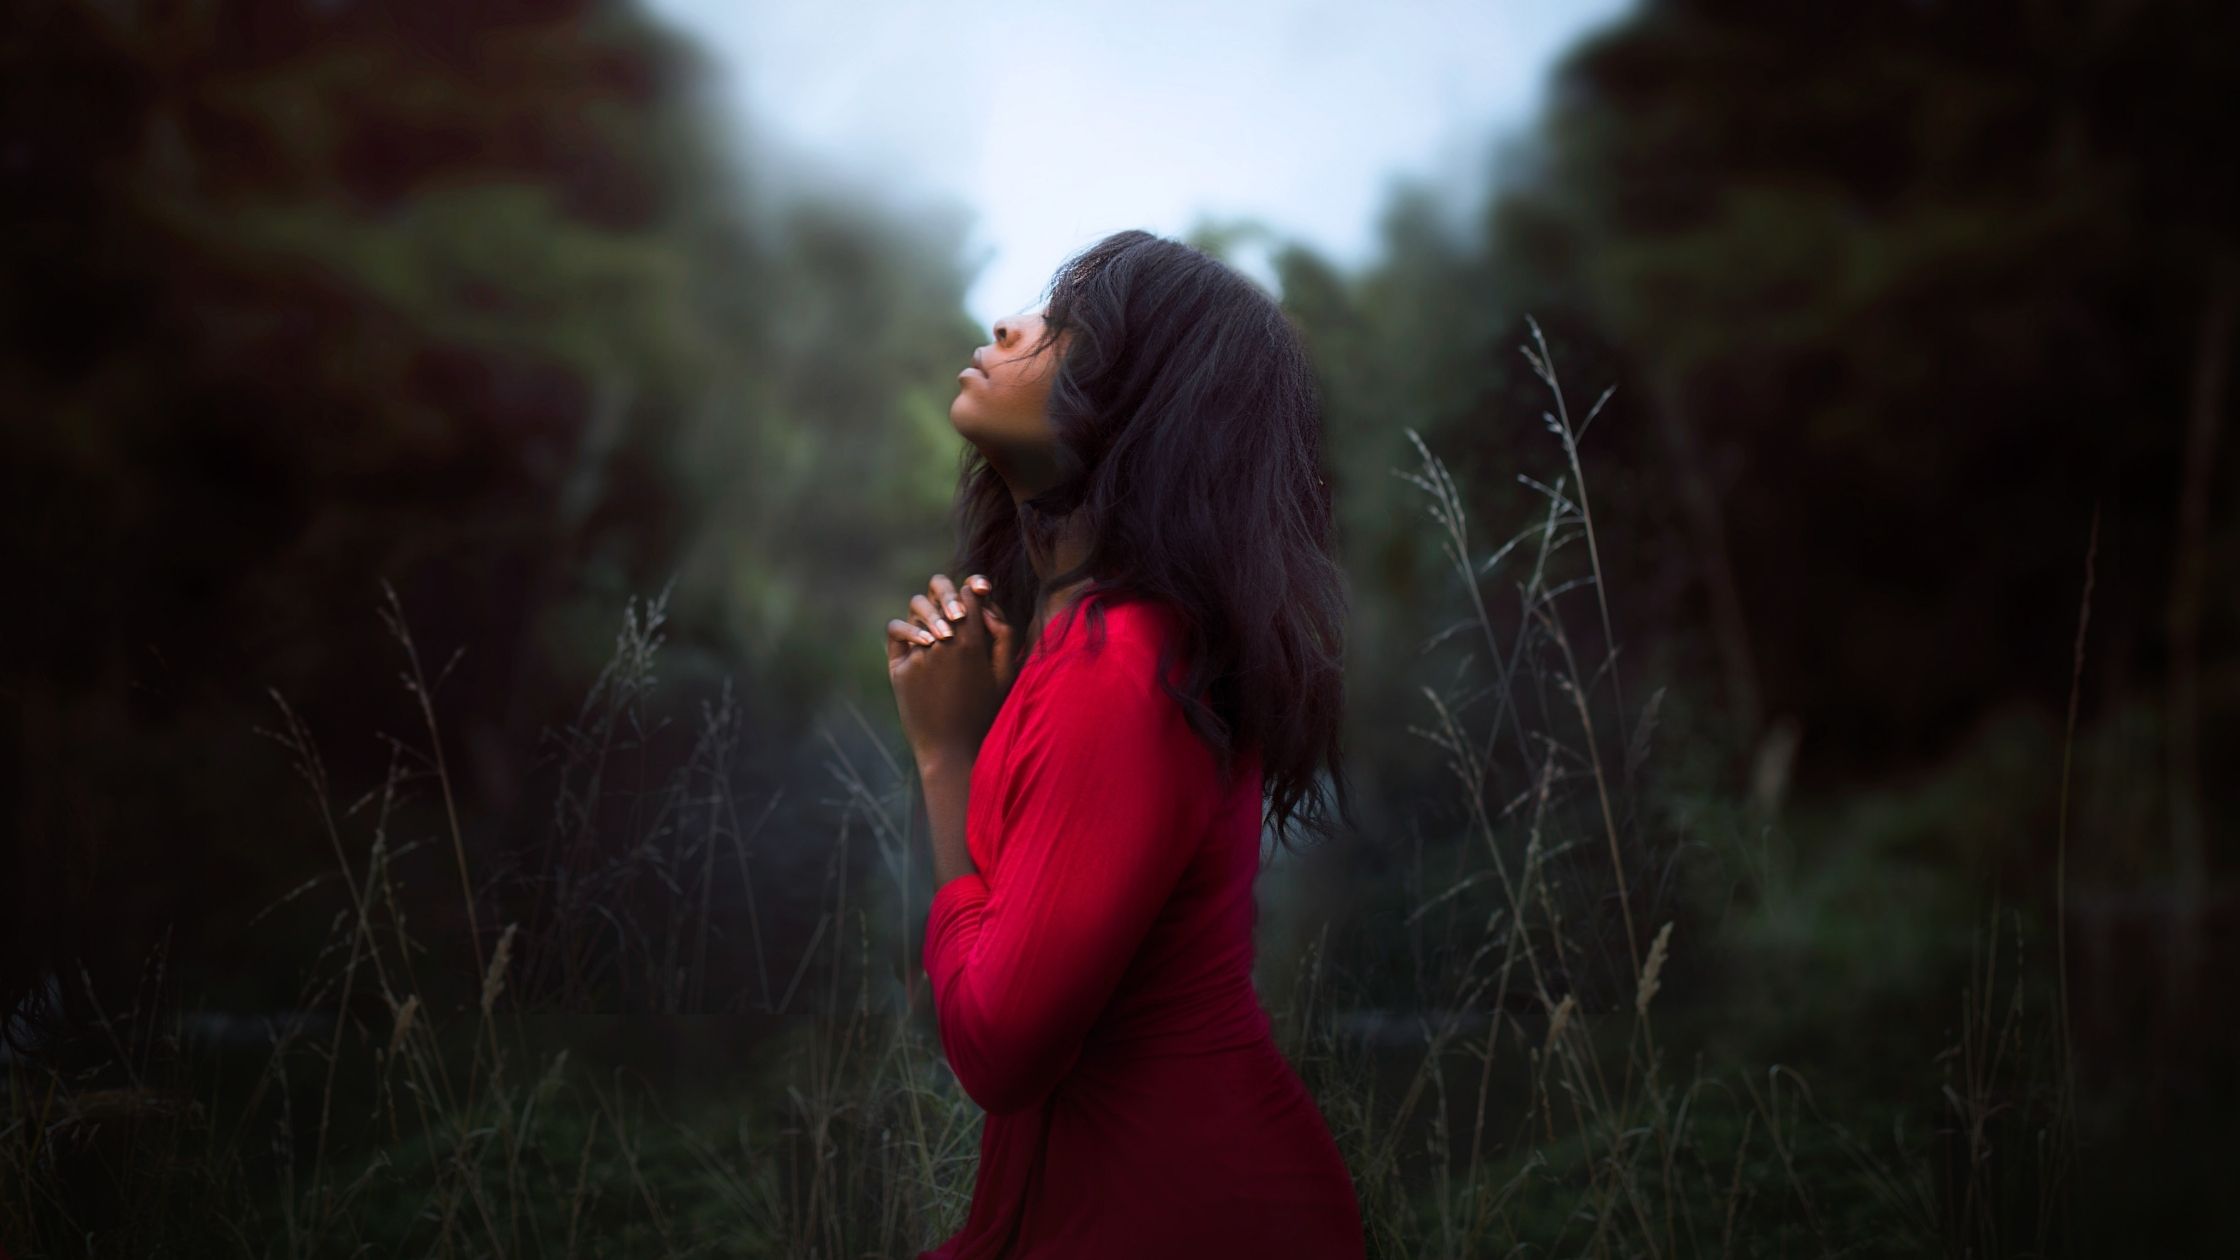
(945, 778)
(945, 759)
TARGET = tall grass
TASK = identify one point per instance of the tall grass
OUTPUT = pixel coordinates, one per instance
(1544, 1108)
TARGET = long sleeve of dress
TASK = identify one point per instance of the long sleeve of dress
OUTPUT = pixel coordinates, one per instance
(1097, 825)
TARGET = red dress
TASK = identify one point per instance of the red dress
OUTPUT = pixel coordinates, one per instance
(1093, 982)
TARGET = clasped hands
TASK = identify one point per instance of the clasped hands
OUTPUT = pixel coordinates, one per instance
(951, 662)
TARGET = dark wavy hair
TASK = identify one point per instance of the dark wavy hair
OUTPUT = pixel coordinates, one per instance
(1188, 435)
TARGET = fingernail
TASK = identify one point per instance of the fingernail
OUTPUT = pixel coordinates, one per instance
(924, 637)
(956, 609)
(941, 627)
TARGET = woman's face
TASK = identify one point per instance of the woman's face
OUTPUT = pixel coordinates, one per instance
(1002, 399)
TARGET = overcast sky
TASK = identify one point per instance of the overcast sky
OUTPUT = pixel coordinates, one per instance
(1055, 123)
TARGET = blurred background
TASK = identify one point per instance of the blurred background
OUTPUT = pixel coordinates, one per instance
(460, 459)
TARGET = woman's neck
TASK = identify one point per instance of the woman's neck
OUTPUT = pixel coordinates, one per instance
(1071, 550)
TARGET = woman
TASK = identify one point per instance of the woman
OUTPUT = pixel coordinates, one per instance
(1145, 461)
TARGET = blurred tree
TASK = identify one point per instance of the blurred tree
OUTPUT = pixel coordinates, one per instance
(474, 299)
(1907, 287)
(1892, 297)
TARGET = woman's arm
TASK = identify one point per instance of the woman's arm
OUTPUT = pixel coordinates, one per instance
(947, 782)
(1099, 821)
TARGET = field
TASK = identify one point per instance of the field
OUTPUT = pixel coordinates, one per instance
(1641, 1018)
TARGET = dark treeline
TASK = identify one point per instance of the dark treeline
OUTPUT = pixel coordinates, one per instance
(1909, 309)
(474, 301)
(1895, 304)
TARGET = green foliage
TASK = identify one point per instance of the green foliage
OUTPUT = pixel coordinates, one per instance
(477, 302)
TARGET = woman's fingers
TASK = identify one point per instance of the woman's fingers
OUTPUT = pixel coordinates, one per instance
(904, 635)
(941, 614)
(968, 624)
(931, 617)
(998, 631)
(945, 599)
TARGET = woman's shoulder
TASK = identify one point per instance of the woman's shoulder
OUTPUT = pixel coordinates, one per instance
(1100, 689)
(1131, 628)
(1121, 650)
